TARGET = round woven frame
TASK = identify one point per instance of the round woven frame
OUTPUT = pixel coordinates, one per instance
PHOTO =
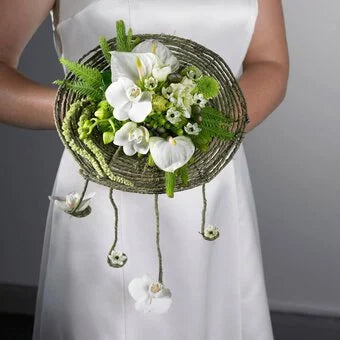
(151, 180)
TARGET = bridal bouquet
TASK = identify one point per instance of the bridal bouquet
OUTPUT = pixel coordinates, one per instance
(148, 114)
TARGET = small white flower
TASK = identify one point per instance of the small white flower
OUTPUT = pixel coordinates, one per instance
(167, 92)
(133, 138)
(211, 232)
(173, 115)
(192, 129)
(199, 99)
(128, 100)
(171, 153)
(150, 83)
(71, 200)
(150, 296)
(194, 74)
(117, 258)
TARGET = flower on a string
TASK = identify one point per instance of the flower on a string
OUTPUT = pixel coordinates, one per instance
(211, 232)
(70, 201)
(150, 296)
(116, 258)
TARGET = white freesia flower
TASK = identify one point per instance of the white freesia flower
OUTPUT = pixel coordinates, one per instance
(150, 296)
(170, 154)
(211, 232)
(117, 258)
(133, 138)
(128, 100)
(71, 200)
(199, 99)
(173, 115)
(192, 129)
(164, 54)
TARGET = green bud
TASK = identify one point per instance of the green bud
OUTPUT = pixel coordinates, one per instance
(108, 137)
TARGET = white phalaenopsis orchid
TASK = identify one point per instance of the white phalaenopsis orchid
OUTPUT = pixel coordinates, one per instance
(172, 153)
(70, 201)
(166, 57)
(133, 138)
(150, 296)
(128, 100)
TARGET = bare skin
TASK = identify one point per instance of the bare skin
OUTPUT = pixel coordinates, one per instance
(24, 103)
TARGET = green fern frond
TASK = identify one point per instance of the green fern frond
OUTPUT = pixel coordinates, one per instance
(104, 45)
(219, 132)
(121, 36)
(89, 75)
(81, 88)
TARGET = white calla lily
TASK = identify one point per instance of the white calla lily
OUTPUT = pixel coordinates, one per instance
(133, 138)
(172, 153)
(132, 65)
(149, 296)
(70, 201)
(164, 54)
(128, 100)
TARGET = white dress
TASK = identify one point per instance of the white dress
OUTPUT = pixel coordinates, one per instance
(217, 287)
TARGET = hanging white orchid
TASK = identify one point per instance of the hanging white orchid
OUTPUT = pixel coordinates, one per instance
(70, 201)
(172, 153)
(133, 138)
(150, 296)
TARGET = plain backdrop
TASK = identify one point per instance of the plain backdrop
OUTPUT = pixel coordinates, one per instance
(293, 159)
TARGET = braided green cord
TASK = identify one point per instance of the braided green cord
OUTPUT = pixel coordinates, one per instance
(66, 131)
(204, 209)
(116, 219)
(160, 275)
(100, 158)
(81, 197)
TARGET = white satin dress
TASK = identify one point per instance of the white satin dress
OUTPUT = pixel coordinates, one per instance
(218, 287)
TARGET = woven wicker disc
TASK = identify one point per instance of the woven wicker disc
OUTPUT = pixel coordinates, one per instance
(151, 180)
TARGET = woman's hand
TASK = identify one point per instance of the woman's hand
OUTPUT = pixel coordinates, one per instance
(23, 102)
(266, 65)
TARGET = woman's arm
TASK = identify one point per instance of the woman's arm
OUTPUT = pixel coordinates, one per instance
(23, 102)
(266, 65)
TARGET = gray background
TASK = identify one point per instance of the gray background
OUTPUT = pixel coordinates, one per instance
(293, 159)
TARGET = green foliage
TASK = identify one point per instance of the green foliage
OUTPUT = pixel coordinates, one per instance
(89, 75)
(125, 42)
(215, 124)
(170, 182)
(81, 88)
(104, 45)
(183, 173)
(208, 86)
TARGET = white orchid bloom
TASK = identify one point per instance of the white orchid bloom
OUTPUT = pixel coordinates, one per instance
(170, 154)
(192, 129)
(150, 296)
(133, 138)
(164, 54)
(70, 201)
(128, 100)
